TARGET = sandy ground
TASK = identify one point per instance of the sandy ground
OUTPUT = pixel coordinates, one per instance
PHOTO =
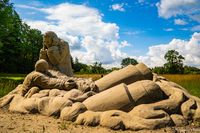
(32, 123)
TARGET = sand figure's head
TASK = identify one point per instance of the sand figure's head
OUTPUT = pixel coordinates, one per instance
(41, 66)
(50, 39)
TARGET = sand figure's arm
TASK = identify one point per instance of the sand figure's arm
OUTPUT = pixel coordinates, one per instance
(57, 53)
(45, 82)
(53, 54)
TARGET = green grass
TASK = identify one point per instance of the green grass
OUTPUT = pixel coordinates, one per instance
(3, 75)
(13, 78)
(190, 82)
(9, 81)
(8, 84)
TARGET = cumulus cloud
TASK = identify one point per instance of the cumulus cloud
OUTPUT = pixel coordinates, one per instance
(89, 37)
(189, 9)
(125, 44)
(26, 7)
(190, 49)
(118, 7)
(196, 17)
(170, 8)
(196, 28)
(180, 22)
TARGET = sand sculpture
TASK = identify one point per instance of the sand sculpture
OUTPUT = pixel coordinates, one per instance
(56, 52)
(131, 98)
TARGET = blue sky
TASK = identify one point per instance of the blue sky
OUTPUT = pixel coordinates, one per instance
(111, 30)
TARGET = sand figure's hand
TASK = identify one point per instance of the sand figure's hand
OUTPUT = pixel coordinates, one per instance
(94, 87)
(70, 84)
(43, 54)
(43, 51)
(82, 97)
(32, 91)
(70, 80)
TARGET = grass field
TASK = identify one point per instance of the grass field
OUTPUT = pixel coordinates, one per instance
(191, 82)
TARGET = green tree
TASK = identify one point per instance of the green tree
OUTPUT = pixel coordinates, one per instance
(82, 68)
(174, 62)
(31, 43)
(97, 68)
(191, 70)
(10, 37)
(159, 70)
(127, 61)
(79, 67)
(19, 44)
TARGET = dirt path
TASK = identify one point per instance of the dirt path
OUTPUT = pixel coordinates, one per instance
(32, 123)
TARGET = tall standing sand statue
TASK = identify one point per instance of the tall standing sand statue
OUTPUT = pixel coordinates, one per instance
(131, 98)
(56, 52)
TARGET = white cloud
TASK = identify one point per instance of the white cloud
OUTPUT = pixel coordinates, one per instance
(125, 44)
(196, 17)
(188, 9)
(184, 29)
(118, 7)
(170, 8)
(196, 28)
(89, 37)
(26, 7)
(190, 49)
(180, 22)
(168, 29)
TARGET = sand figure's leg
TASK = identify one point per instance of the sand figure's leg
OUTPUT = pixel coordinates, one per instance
(125, 97)
(127, 75)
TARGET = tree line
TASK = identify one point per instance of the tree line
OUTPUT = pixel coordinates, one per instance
(20, 46)
(174, 65)
(81, 68)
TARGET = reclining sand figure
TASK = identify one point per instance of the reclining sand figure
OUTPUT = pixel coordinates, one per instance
(41, 78)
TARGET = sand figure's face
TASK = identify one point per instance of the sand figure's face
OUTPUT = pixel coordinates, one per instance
(47, 40)
(50, 39)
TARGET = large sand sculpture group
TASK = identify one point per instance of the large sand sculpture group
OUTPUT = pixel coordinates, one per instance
(130, 98)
